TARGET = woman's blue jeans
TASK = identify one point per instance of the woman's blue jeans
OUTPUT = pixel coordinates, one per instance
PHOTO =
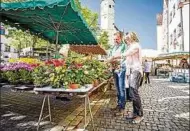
(119, 78)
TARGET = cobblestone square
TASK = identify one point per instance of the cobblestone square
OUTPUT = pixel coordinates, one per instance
(165, 105)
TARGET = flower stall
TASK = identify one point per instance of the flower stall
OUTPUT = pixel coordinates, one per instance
(176, 71)
(58, 76)
(61, 22)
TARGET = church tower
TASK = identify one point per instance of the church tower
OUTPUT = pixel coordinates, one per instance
(107, 19)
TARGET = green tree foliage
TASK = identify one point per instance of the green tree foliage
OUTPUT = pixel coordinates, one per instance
(103, 40)
(92, 20)
(90, 17)
(21, 39)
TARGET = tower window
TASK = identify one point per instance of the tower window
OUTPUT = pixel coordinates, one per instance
(110, 6)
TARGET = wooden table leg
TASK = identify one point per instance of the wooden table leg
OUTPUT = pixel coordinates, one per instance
(42, 109)
(41, 112)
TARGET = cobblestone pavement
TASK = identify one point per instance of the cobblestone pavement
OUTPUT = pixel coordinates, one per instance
(165, 104)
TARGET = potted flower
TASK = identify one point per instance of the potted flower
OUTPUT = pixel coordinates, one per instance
(57, 77)
(40, 75)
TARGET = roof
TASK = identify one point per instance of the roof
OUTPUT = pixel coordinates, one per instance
(86, 49)
(82, 49)
(49, 19)
(181, 4)
(166, 2)
(173, 55)
(159, 18)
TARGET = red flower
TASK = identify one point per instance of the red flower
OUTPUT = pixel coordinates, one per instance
(48, 62)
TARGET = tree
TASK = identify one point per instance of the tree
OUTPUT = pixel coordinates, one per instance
(90, 17)
(92, 20)
(103, 40)
(21, 39)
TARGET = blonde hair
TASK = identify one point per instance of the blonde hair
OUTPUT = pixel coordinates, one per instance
(132, 36)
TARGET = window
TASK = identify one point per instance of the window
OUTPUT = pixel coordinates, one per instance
(7, 48)
(174, 10)
(15, 50)
(109, 6)
(179, 30)
(171, 39)
(170, 17)
(174, 34)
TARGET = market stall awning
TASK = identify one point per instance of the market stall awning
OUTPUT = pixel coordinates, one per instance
(86, 49)
(54, 20)
(174, 55)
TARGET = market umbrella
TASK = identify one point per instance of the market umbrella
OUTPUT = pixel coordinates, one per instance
(57, 21)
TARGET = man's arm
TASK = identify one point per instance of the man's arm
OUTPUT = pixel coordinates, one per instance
(109, 59)
(132, 50)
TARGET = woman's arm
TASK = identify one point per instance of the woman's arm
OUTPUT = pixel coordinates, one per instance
(132, 50)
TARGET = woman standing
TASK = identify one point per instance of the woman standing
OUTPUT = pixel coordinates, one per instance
(134, 64)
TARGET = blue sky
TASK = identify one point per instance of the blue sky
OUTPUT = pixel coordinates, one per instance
(134, 15)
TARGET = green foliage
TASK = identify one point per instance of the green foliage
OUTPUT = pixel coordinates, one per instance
(21, 39)
(57, 77)
(98, 70)
(103, 40)
(3, 76)
(25, 76)
(17, 76)
(13, 77)
(90, 17)
(41, 75)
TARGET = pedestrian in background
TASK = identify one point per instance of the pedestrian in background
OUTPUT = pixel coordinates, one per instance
(147, 70)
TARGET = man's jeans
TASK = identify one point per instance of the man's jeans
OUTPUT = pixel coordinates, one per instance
(119, 78)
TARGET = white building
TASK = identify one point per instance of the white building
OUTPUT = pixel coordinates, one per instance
(174, 22)
(160, 39)
(6, 50)
(107, 13)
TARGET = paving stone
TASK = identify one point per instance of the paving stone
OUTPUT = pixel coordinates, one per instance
(161, 103)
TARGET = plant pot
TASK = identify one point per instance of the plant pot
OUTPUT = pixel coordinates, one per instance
(95, 83)
(74, 86)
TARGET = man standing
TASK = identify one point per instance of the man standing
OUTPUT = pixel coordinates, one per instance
(147, 70)
(119, 69)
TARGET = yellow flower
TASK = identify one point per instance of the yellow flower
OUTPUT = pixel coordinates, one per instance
(26, 60)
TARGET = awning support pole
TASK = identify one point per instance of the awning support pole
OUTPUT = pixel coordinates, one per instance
(57, 39)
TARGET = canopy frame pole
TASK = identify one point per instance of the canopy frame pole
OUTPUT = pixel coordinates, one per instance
(57, 39)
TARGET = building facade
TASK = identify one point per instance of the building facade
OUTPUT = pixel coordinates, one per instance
(160, 39)
(174, 25)
(107, 18)
(6, 51)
